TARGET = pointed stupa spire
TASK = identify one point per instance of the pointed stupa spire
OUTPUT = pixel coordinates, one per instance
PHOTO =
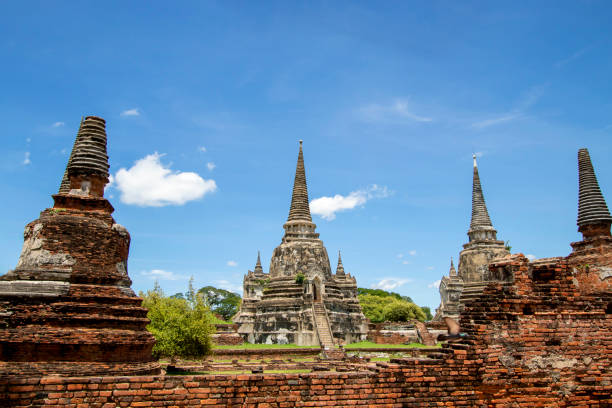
(258, 267)
(65, 184)
(452, 271)
(340, 267)
(300, 210)
(480, 215)
(592, 208)
(89, 154)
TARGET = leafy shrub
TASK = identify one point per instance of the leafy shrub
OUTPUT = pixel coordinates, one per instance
(181, 326)
(401, 311)
(300, 278)
(389, 308)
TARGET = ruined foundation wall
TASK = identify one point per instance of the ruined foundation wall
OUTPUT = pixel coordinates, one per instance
(542, 340)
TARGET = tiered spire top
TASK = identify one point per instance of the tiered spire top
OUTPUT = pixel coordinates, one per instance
(340, 267)
(65, 184)
(300, 210)
(480, 215)
(89, 153)
(592, 208)
(452, 271)
(258, 267)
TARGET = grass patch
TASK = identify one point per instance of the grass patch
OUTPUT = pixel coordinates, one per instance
(385, 359)
(249, 346)
(369, 344)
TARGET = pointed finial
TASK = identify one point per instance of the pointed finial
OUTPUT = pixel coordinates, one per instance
(474, 157)
(300, 209)
(340, 267)
(258, 267)
(480, 215)
(592, 208)
(452, 271)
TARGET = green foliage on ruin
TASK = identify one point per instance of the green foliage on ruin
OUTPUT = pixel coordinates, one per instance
(221, 302)
(300, 278)
(389, 308)
(181, 325)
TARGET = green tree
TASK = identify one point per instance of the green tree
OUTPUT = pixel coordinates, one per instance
(427, 311)
(373, 306)
(401, 311)
(221, 301)
(382, 293)
(182, 327)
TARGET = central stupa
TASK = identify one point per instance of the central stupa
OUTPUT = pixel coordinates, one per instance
(300, 300)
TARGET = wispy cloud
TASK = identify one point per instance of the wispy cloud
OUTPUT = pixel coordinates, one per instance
(390, 283)
(528, 99)
(435, 284)
(211, 166)
(58, 124)
(26, 159)
(131, 112)
(149, 183)
(327, 207)
(531, 257)
(397, 111)
(202, 149)
(430, 268)
(479, 154)
(161, 274)
(232, 263)
(576, 55)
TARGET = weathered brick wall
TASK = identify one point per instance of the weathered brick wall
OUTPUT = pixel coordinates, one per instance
(542, 340)
(392, 333)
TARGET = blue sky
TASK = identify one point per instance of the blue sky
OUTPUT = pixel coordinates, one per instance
(205, 103)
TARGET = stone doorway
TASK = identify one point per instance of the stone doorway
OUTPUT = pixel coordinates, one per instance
(316, 290)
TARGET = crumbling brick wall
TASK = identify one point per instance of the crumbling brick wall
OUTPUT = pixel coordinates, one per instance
(541, 340)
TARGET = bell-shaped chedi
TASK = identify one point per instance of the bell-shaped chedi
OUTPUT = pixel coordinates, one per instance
(299, 300)
(67, 307)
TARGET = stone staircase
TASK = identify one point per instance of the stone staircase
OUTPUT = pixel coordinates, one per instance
(472, 290)
(322, 324)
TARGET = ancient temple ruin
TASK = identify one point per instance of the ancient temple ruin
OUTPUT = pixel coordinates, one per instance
(482, 247)
(67, 308)
(300, 300)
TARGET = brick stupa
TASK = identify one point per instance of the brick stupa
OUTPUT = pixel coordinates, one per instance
(300, 300)
(67, 308)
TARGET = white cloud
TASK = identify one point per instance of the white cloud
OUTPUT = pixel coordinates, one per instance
(496, 121)
(572, 57)
(412, 252)
(232, 263)
(478, 154)
(527, 100)
(58, 124)
(396, 111)
(202, 149)
(161, 274)
(26, 159)
(149, 183)
(435, 284)
(211, 166)
(405, 262)
(400, 256)
(531, 257)
(430, 268)
(28, 140)
(390, 283)
(64, 151)
(227, 285)
(327, 207)
(131, 112)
